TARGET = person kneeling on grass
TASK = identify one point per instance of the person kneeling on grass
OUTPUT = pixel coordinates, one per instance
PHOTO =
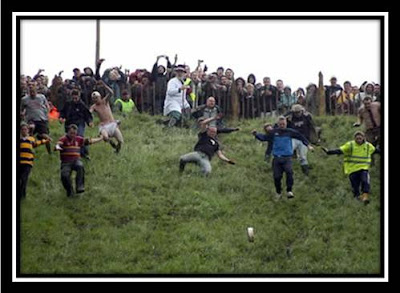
(69, 146)
(204, 150)
(357, 160)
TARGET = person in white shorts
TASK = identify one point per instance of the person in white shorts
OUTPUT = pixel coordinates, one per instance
(108, 127)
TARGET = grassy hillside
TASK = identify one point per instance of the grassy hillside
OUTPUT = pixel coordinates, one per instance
(138, 215)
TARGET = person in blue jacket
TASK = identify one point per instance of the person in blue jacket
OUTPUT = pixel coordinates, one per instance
(282, 151)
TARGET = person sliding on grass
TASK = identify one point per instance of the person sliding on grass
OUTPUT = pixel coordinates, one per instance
(282, 150)
(357, 160)
(204, 150)
(69, 146)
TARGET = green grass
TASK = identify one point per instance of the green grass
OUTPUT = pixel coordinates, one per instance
(139, 216)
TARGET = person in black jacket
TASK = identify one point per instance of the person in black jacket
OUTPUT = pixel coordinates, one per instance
(160, 76)
(204, 150)
(301, 120)
(76, 112)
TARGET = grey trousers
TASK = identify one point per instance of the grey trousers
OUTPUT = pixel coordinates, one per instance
(302, 151)
(198, 158)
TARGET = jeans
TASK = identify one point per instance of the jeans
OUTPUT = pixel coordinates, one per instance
(198, 158)
(66, 171)
(302, 151)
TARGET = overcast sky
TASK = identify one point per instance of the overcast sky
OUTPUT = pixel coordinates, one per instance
(291, 50)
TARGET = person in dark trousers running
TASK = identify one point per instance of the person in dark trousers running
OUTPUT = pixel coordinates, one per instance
(282, 151)
(357, 161)
(204, 150)
(26, 156)
(69, 146)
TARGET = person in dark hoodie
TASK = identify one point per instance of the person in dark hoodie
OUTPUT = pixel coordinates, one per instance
(331, 95)
(76, 112)
(251, 79)
(160, 76)
(301, 120)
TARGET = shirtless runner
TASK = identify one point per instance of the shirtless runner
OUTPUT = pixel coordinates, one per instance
(108, 127)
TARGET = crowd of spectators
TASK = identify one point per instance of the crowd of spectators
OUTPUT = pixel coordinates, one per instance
(240, 97)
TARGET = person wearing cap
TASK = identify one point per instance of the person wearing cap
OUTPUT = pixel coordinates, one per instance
(26, 156)
(175, 102)
(204, 150)
(69, 147)
(357, 161)
(76, 112)
(332, 92)
(108, 127)
(301, 120)
(282, 150)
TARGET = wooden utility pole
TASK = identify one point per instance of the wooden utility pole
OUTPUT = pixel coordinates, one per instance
(97, 40)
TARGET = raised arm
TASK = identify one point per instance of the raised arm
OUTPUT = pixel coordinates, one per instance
(261, 136)
(110, 92)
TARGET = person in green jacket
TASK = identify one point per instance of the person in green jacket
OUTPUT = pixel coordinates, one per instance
(357, 161)
(124, 104)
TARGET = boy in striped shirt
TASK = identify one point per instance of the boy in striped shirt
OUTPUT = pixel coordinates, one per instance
(26, 156)
(69, 146)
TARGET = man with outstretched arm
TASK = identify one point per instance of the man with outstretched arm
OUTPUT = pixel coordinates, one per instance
(357, 161)
(204, 150)
(69, 147)
(282, 151)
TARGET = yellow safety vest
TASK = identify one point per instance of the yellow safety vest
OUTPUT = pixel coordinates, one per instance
(357, 157)
(127, 107)
(192, 95)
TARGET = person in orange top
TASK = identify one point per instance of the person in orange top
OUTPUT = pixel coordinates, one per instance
(26, 156)
(70, 154)
(53, 113)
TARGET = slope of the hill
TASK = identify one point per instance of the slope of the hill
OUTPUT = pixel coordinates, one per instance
(139, 216)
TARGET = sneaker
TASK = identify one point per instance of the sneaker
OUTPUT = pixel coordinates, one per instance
(290, 194)
(364, 198)
(118, 148)
(181, 166)
(87, 157)
(80, 190)
(112, 144)
(278, 196)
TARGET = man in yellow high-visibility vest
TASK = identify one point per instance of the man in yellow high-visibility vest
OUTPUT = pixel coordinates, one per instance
(357, 161)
